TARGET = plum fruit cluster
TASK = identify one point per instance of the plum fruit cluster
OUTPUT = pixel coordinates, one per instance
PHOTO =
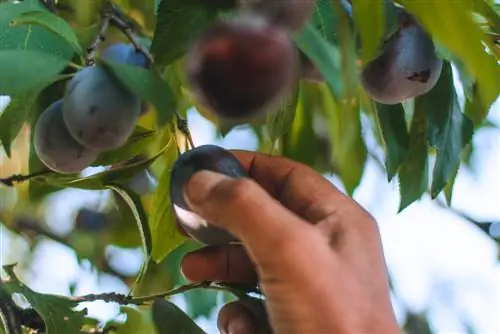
(95, 114)
(240, 67)
(407, 66)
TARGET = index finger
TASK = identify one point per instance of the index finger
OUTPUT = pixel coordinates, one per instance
(297, 186)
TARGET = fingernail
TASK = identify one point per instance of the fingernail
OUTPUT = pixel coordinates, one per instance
(200, 186)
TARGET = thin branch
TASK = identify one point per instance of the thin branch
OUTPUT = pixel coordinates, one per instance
(17, 178)
(101, 37)
(182, 126)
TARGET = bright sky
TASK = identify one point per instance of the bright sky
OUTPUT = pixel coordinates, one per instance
(440, 262)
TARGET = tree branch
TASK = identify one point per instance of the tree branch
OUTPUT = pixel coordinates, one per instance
(101, 37)
(16, 178)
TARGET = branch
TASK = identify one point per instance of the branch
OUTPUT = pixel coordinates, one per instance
(16, 178)
(101, 37)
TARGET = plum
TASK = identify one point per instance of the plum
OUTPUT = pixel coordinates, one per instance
(240, 67)
(289, 14)
(406, 67)
(99, 112)
(205, 157)
(55, 146)
(126, 54)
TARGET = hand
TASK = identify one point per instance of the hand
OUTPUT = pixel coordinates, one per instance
(316, 253)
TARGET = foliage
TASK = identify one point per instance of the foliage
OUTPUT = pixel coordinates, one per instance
(43, 44)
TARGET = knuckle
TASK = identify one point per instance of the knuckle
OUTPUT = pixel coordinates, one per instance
(242, 190)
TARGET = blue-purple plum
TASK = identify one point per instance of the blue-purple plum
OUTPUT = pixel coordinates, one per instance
(55, 146)
(205, 157)
(98, 111)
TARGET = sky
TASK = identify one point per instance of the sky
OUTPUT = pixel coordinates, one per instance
(439, 262)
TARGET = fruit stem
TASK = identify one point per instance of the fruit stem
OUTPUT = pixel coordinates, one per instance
(101, 37)
(182, 126)
(17, 178)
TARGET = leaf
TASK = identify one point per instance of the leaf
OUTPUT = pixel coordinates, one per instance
(56, 311)
(324, 56)
(14, 117)
(474, 108)
(486, 10)
(29, 37)
(9, 319)
(135, 204)
(137, 143)
(391, 119)
(137, 322)
(148, 85)
(169, 319)
(179, 22)
(448, 129)
(323, 19)
(369, 17)
(414, 172)
(349, 151)
(448, 189)
(53, 23)
(166, 236)
(101, 180)
(280, 121)
(467, 46)
(17, 68)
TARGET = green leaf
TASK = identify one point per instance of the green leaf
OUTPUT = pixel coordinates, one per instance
(166, 236)
(448, 129)
(474, 108)
(349, 151)
(467, 46)
(137, 322)
(179, 22)
(170, 319)
(488, 12)
(323, 19)
(324, 56)
(14, 117)
(391, 119)
(53, 23)
(448, 189)
(280, 121)
(135, 205)
(137, 143)
(56, 311)
(148, 85)
(369, 17)
(414, 172)
(17, 68)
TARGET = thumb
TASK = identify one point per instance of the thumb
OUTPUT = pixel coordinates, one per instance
(246, 210)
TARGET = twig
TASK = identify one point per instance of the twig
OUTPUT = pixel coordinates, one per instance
(182, 126)
(9, 181)
(101, 37)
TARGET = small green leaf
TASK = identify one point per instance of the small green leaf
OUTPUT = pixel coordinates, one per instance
(179, 22)
(369, 17)
(135, 205)
(323, 19)
(324, 56)
(166, 236)
(17, 68)
(414, 172)
(474, 108)
(53, 23)
(137, 143)
(448, 189)
(448, 129)
(484, 8)
(169, 319)
(14, 117)
(148, 85)
(391, 119)
(56, 311)
(279, 121)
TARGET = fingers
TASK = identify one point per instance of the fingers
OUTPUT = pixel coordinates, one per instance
(243, 317)
(247, 211)
(295, 185)
(223, 263)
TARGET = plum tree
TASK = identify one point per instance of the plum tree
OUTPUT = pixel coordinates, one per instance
(289, 14)
(99, 113)
(406, 67)
(55, 146)
(240, 67)
(205, 157)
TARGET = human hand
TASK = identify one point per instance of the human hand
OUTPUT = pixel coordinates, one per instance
(315, 253)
